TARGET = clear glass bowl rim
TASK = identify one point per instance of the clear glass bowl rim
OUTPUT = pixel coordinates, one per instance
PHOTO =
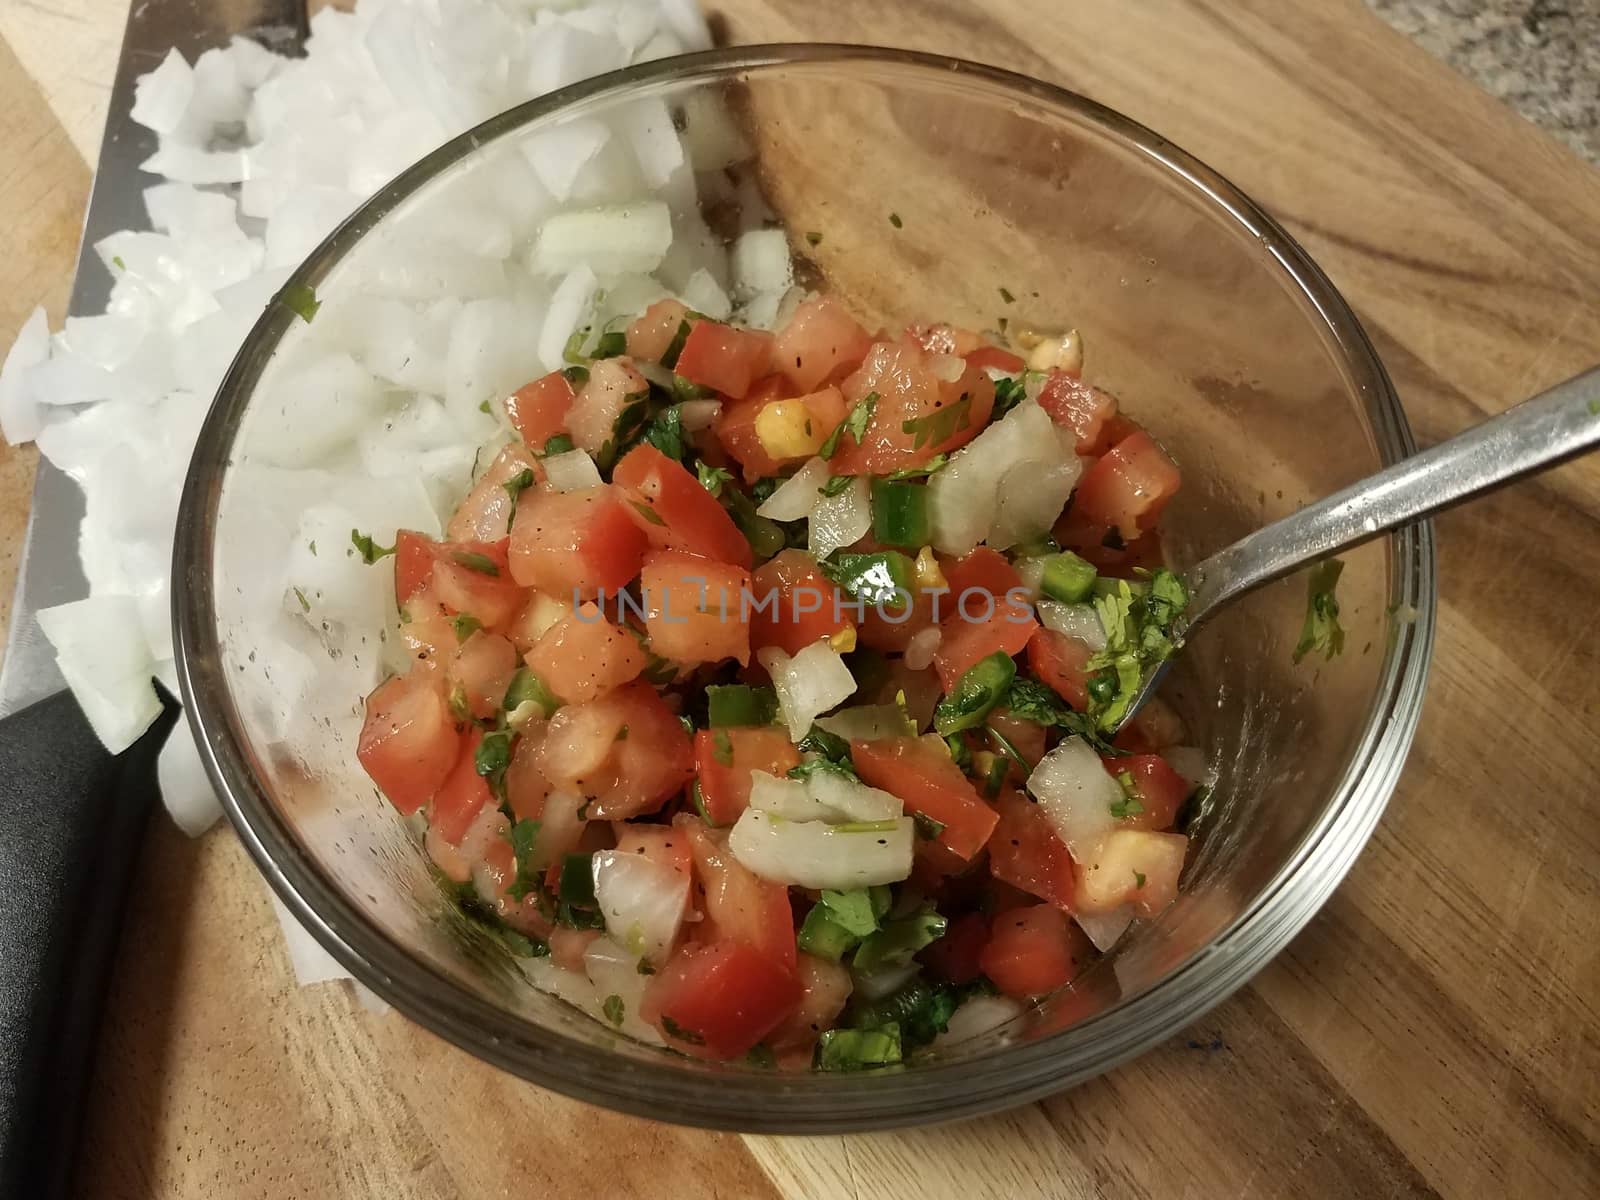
(784, 1103)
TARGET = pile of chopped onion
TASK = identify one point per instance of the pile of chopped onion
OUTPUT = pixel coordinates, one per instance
(261, 157)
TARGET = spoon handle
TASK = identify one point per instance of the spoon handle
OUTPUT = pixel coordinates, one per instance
(1543, 432)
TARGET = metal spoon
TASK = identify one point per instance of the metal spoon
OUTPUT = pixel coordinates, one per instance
(1537, 434)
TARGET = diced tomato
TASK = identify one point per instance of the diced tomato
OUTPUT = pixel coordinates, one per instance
(735, 428)
(526, 786)
(1104, 547)
(821, 341)
(942, 339)
(1026, 737)
(493, 876)
(625, 749)
(1024, 851)
(567, 946)
(1033, 951)
(683, 516)
(824, 990)
(538, 410)
(575, 543)
(485, 515)
(462, 795)
(723, 358)
(661, 844)
(474, 579)
(964, 642)
(923, 775)
(1153, 728)
(993, 357)
(1129, 486)
(408, 742)
(1080, 407)
(718, 1000)
(795, 604)
(954, 957)
(413, 564)
(980, 570)
(583, 655)
(481, 668)
(891, 630)
(694, 608)
(1132, 866)
(738, 904)
(652, 333)
(613, 384)
(1059, 661)
(1160, 790)
(535, 619)
(724, 758)
(916, 415)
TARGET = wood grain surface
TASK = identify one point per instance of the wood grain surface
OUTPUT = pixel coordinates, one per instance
(1433, 1031)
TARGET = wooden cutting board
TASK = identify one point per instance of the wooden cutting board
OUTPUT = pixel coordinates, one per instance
(1434, 1029)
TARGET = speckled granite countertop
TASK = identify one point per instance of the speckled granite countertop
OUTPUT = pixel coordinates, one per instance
(1542, 57)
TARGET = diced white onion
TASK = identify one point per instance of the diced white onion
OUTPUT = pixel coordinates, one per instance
(761, 263)
(698, 414)
(1079, 621)
(798, 495)
(1105, 930)
(609, 241)
(704, 294)
(867, 722)
(790, 799)
(946, 368)
(808, 684)
(875, 985)
(643, 902)
(1030, 497)
(815, 854)
(101, 650)
(963, 498)
(572, 471)
(924, 644)
(842, 520)
(851, 800)
(1076, 793)
(186, 791)
(1190, 762)
(615, 972)
(978, 1016)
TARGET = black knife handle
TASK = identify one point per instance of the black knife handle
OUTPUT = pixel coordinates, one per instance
(71, 820)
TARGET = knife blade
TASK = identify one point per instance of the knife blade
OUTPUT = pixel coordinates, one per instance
(50, 571)
(71, 815)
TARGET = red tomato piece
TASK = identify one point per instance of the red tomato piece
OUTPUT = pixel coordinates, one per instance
(996, 358)
(735, 429)
(1060, 663)
(479, 672)
(538, 410)
(661, 844)
(723, 358)
(413, 564)
(718, 1000)
(568, 946)
(408, 742)
(980, 570)
(824, 990)
(694, 608)
(462, 795)
(954, 957)
(474, 578)
(963, 643)
(891, 630)
(485, 515)
(586, 750)
(1132, 866)
(1104, 547)
(723, 760)
(1080, 407)
(1025, 852)
(916, 415)
(652, 333)
(575, 543)
(1033, 951)
(613, 384)
(1129, 486)
(738, 904)
(922, 774)
(682, 516)
(526, 786)
(795, 604)
(1159, 789)
(584, 655)
(820, 342)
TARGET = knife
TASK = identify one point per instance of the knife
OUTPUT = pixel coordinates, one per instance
(72, 815)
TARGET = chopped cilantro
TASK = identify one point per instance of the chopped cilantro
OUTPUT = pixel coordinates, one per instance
(519, 483)
(116, 260)
(576, 375)
(941, 425)
(855, 424)
(1138, 879)
(927, 827)
(894, 219)
(1128, 805)
(836, 484)
(528, 688)
(465, 625)
(645, 510)
(613, 1009)
(524, 836)
(1008, 393)
(897, 940)
(669, 357)
(369, 550)
(722, 747)
(814, 238)
(829, 745)
(644, 967)
(305, 605)
(558, 444)
(927, 468)
(483, 406)
(712, 479)
(1005, 294)
(665, 432)
(1322, 632)
(474, 561)
(673, 1030)
(843, 768)
(611, 345)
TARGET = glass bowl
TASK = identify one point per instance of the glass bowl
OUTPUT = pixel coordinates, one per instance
(917, 188)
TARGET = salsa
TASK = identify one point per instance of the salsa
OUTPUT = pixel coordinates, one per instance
(763, 688)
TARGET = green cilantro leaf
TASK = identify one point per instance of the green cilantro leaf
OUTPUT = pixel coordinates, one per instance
(465, 625)
(368, 549)
(712, 478)
(940, 425)
(300, 299)
(613, 1009)
(1322, 632)
(855, 424)
(836, 484)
